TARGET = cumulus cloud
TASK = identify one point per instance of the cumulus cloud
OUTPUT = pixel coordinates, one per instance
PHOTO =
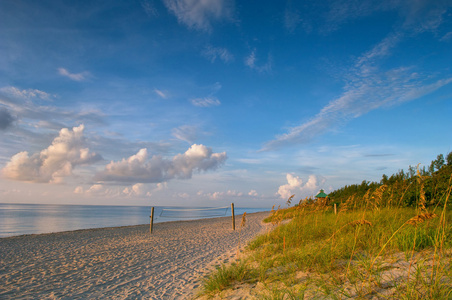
(215, 195)
(253, 193)
(200, 14)
(6, 119)
(73, 76)
(144, 169)
(99, 190)
(158, 187)
(78, 190)
(54, 163)
(135, 190)
(233, 193)
(205, 102)
(295, 185)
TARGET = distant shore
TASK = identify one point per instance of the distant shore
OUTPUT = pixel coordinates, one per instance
(121, 262)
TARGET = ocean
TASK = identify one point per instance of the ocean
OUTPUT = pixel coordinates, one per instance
(20, 219)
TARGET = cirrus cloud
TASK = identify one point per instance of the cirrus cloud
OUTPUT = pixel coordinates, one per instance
(205, 102)
(200, 14)
(212, 53)
(73, 76)
(368, 88)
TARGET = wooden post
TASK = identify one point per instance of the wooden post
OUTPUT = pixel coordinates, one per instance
(152, 219)
(233, 216)
(335, 209)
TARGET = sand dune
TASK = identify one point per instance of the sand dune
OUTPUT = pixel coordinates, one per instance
(121, 262)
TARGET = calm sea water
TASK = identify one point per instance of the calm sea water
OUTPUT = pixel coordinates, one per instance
(19, 219)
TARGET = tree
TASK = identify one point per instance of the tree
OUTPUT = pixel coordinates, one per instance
(411, 171)
(449, 159)
(384, 179)
(439, 162)
(431, 168)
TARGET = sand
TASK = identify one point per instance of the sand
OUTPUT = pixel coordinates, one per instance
(121, 262)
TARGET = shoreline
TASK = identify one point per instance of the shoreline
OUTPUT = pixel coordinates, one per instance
(20, 219)
(125, 226)
(121, 262)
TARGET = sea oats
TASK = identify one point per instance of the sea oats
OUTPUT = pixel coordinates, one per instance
(360, 222)
(421, 218)
(242, 224)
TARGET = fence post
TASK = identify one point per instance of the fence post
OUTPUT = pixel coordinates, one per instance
(335, 209)
(152, 219)
(233, 216)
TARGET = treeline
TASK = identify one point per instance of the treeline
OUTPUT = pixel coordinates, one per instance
(405, 188)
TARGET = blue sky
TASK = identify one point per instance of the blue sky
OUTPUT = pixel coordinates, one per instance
(203, 103)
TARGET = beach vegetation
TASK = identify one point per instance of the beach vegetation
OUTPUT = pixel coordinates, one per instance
(391, 239)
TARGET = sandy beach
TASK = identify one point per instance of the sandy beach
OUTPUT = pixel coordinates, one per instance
(121, 262)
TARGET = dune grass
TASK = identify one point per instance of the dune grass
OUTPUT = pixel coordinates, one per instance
(375, 250)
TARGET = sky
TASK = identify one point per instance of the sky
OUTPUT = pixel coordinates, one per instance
(209, 102)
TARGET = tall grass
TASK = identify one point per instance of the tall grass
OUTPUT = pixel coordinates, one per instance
(374, 248)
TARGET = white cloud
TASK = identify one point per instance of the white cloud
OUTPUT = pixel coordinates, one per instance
(291, 19)
(162, 94)
(212, 53)
(54, 163)
(378, 51)
(142, 169)
(234, 193)
(96, 190)
(21, 103)
(73, 76)
(135, 190)
(312, 185)
(205, 102)
(295, 185)
(149, 8)
(219, 195)
(78, 190)
(253, 193)
(200, 14)
(186, 133)
(158, 187)
(25, 94)
(215, 195)
(369, 86)
(446, 37)
(183, 195)
(251, 62)
(367, 89)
